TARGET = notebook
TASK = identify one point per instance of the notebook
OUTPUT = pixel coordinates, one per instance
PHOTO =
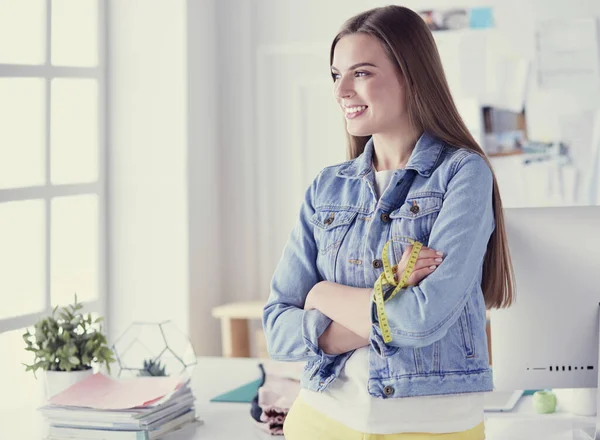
(242, 394)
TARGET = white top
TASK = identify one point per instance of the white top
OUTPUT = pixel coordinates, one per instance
(382, 180)
(348, 401)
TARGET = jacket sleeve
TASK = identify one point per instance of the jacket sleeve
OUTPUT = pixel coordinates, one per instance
(422, 314)
(292, 333)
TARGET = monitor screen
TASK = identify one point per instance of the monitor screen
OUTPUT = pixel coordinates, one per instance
(549, 337)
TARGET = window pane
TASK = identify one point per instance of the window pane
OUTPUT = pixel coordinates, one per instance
(22, 132)
(22, 392)
(22, 257)
(74, 131)
(74, 248)
(75, 33)
(22, 31)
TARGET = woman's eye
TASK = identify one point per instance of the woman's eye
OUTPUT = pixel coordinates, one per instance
(357, 74)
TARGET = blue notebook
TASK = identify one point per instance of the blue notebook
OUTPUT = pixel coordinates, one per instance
(243, 394)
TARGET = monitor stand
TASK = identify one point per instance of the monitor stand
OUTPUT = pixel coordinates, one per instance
(592, 432)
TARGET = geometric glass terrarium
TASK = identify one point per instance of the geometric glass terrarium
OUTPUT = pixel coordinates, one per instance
(153, 349)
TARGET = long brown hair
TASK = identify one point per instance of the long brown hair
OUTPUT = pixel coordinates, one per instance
(409, 44)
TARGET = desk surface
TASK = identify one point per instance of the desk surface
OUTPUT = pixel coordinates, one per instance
(232, 421)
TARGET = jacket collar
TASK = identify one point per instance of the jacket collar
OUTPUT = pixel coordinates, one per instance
(423, 158)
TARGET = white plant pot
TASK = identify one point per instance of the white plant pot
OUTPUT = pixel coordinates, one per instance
(58, 381)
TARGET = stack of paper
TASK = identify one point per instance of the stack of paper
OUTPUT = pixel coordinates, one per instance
(142, 408)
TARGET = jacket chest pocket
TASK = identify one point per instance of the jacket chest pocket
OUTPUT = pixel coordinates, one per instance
(330, 229)
(414, 219)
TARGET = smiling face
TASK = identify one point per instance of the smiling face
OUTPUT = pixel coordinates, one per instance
(367, 86)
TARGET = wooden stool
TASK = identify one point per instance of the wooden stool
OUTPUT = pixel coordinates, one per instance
(235, 334)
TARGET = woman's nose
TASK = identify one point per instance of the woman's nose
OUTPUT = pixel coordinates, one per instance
(345, 93)
(344, 90)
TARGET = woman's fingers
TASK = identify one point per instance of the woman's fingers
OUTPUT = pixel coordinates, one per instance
(424, 253)
(427, 262)
(430, 253)
(419, 275)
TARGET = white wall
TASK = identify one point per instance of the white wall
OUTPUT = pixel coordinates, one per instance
(165, 229)
(148, 206)
(236, 33)
(205, 224)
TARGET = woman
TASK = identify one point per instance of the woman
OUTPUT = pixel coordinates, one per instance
(418, 369)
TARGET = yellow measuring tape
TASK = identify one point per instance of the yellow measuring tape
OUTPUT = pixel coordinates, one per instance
(387, 278)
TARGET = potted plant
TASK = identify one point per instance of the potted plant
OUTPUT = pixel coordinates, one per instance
(65, 345)
(153, 367)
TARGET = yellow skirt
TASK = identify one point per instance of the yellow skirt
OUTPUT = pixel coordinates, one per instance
(305, 423)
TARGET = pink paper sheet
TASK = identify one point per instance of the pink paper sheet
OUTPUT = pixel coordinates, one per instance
(102, 392)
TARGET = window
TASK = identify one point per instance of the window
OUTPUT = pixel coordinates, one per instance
(52, 162)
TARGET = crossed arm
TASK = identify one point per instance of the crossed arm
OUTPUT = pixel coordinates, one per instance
(349, 308)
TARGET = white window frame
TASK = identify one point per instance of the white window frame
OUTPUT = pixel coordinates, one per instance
(46, 192)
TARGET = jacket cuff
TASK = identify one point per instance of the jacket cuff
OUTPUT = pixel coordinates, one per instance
(314, 324)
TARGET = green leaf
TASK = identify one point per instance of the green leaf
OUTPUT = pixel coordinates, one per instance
(39, 334)
(66, 340)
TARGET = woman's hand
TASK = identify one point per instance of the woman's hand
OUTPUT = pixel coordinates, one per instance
(427, 261)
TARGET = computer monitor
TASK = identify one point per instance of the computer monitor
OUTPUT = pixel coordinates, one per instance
(549, 337)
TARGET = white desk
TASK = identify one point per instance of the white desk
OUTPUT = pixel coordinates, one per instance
(232, 421)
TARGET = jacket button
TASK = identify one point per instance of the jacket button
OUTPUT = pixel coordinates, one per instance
(329, 220)
(415, 209)
(377, 264)
(388, 390)
(385, 217)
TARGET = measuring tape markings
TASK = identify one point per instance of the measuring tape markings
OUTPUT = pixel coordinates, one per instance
(387, 278)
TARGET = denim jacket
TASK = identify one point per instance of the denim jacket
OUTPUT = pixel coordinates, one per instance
(439, 344)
